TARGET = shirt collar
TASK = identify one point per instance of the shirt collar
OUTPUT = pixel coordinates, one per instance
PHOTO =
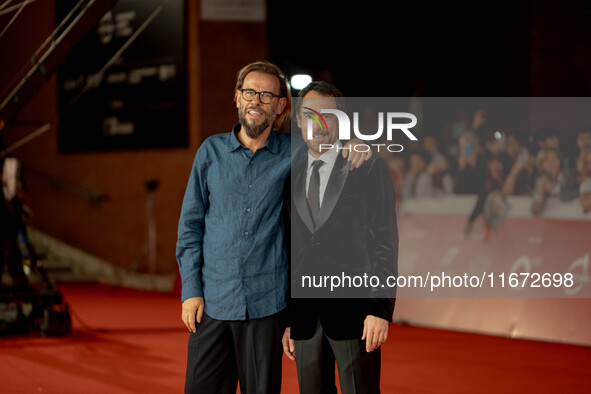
(234, 143)
(328, 157)
(272, 143)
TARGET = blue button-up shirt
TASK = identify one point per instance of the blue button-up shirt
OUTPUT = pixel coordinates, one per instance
(230, 246)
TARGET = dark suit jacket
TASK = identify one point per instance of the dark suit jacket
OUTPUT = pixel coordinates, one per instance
(356, 233)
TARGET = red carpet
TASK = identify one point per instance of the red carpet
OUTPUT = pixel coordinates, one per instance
(128, 341)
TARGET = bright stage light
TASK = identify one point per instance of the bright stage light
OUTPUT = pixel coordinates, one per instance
(300, 81)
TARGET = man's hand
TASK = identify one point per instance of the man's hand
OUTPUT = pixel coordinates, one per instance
(288, 345)
(192, 310)
(356, 158)
(375, 332)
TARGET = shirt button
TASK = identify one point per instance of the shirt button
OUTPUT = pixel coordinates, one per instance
(247, 209)
(249, 186)
(244, 280)
(243, 257)
(246, 233)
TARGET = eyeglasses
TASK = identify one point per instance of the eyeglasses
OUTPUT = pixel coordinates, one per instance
(265, 97)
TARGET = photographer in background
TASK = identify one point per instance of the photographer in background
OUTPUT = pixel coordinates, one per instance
(11, 221)
(550, 179)
(491, 202)
(418, 182)
(583, 140)
(521, 178)
(471, 169)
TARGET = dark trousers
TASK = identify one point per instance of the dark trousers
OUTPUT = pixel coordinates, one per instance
(221, 353)
(359, 371)
(10, 255)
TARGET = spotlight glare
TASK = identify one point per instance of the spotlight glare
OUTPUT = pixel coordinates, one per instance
(300, 81)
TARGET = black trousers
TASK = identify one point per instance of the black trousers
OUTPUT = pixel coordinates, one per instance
(10, 255)
(221, 353)
(359, 371)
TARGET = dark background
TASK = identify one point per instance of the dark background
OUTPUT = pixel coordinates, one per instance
(152, 107)
(374, 48)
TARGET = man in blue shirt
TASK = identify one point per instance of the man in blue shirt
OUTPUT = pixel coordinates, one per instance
(230, 248)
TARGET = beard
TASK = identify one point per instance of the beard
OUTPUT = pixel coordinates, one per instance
(253, 130)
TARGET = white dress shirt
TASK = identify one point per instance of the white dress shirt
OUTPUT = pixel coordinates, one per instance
(329, 157)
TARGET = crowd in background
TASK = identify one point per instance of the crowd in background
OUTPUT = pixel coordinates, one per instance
(469, 158)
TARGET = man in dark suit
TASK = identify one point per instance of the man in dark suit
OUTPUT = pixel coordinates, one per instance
(343, 224)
